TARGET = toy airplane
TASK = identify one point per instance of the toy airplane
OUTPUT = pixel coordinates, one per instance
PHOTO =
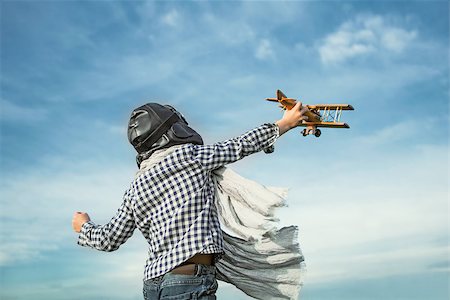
(319, 115)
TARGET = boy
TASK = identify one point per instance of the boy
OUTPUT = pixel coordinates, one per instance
(172, 199)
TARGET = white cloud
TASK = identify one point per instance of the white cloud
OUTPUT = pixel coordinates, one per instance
(395, 132)
(372, 215)
(36, 211)
(359, 85)
(115, 129)
(12, 112)
(221, 29)
(397, 39)
(363, 36)
(264, 50)
(172, 18)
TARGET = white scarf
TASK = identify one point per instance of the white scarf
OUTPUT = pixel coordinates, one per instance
(261, 260)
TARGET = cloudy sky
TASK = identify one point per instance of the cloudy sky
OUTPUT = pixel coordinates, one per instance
(371, 201)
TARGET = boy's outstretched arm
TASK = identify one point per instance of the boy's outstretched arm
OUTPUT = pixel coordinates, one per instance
(110, 236)
(211, 157)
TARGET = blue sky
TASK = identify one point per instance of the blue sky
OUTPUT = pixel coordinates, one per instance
(371, 202)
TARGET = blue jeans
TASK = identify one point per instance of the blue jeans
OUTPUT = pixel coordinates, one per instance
(202, 285)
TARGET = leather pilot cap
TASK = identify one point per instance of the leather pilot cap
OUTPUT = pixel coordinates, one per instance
(153, 126)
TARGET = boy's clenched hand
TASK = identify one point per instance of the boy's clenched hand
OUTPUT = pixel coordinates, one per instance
(79, 218)
(292, 118)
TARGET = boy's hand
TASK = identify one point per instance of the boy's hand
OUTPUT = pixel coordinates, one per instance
(79, 218)
(292, 118)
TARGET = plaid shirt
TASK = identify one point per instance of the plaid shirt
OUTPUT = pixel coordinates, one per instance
(172, 203)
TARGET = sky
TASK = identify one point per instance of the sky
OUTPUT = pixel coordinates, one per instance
(371, 202)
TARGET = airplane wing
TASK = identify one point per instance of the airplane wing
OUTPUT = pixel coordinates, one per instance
(285, 103)
(331, 107)
(325, 124)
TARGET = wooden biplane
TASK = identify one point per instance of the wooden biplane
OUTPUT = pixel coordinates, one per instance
(319, 115)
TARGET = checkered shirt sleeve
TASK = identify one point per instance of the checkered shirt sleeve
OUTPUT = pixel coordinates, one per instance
(113, 234)
(219, 154)
(173, 203)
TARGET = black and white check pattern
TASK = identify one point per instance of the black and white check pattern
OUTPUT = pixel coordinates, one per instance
(172, 203)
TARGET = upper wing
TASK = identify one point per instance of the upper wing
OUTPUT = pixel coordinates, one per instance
(331, 106)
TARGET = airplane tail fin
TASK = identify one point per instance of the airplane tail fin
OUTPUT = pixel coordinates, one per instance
(280, 95)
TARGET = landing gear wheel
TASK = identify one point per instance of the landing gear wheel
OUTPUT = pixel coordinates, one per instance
(304, 132)
(317, 133)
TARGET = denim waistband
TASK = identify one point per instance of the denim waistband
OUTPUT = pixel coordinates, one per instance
(200, 270)
(205, 270)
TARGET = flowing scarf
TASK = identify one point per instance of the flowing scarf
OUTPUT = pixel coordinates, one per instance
(261, 260)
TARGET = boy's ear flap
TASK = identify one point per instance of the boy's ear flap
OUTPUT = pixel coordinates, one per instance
(181, 131)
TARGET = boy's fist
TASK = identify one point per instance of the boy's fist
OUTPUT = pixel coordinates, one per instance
(292, 118)
(79, 218)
